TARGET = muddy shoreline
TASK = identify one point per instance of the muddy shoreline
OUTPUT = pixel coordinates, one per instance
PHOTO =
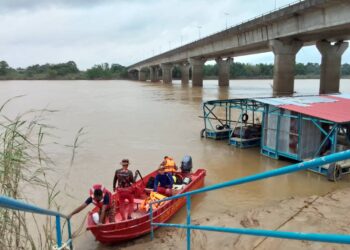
(321, 214)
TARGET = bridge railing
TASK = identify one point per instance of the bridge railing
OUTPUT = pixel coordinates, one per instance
(249, 20)
(9, 203)
(332, 238)
(229, 27)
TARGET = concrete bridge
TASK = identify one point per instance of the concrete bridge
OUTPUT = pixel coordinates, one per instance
(324, 23)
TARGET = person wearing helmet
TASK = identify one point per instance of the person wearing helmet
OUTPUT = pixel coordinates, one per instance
(122, 184)
(101, 198)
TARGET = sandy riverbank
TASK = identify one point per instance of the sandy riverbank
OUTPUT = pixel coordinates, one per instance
(325, 214)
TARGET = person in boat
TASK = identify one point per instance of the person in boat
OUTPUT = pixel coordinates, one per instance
(169, 165)
(122, 184)
(101, 197)
(163, 183)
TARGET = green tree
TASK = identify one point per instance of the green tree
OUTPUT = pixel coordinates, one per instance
(300, 69)
(176, 72)
(99, 71)
(52, 74)
(119, 71)
(345, 69)
(64, 69)
(4, 68)
(312, 69)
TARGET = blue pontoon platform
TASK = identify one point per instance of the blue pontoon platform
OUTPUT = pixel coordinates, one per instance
(299, 128)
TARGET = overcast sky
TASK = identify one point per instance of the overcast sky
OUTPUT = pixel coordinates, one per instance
(119, 31)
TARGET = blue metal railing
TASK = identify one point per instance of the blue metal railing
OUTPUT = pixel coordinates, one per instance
(332, 238)
(13, 204)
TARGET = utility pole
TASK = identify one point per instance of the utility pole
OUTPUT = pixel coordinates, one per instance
(226, 14)
(199, 31)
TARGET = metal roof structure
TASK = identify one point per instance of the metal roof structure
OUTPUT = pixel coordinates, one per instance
(335, 108)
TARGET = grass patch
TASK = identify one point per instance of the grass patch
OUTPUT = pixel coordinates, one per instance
(23, 163)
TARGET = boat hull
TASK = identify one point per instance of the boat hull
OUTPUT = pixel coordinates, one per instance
(112, 233)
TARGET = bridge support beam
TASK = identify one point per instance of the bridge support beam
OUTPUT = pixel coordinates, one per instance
(142, 75)
(283, 76)
(224, 71)
(330, 65)
(185, 73)
(167, 71)
(153, 73)
(197, 71)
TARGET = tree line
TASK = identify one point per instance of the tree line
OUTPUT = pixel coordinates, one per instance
(70, 71)
(261, 70)
(64, 71)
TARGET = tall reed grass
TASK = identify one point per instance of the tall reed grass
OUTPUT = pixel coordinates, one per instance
(24, 163)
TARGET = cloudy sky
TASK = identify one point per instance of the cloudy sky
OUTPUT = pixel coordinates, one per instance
(119, 31)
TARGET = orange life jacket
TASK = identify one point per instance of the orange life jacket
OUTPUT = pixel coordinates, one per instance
(169, 165)
(154, 196)
(105, 192)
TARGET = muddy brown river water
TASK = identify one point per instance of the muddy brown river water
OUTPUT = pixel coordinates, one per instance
(144, 122)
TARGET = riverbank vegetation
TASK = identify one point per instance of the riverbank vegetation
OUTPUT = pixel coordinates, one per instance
(25, 170)
(104, 71)
(265, 71)
(62, 71)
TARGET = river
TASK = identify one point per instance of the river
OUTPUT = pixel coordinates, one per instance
(145, 121)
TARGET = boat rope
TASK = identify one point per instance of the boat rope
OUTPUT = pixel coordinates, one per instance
(291, 218)
(79, 231)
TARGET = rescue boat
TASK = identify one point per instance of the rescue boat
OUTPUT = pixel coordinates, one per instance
(119, 231)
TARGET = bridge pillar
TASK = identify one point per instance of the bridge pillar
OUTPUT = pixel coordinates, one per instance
(197, 71)
(167, 70)
(153, 73)
(142, 75)
(224, 71)
(185, 73)
(330, 65)
(283, 76)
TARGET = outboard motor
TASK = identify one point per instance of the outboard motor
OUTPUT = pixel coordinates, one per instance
(186, 164)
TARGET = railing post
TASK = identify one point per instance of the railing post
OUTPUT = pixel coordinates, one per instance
(188, 206)
(58, 231)
(151, 220)
(70, 234)
(10, 203)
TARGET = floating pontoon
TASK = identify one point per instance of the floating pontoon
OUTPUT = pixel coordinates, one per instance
(237, 120)
(298, 128)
